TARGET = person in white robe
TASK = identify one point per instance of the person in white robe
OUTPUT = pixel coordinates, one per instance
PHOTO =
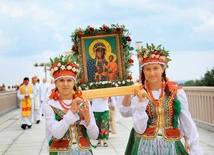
(36, 100)
(44, 94)
(26, 95)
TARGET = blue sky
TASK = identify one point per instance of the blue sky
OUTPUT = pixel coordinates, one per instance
(33, 31)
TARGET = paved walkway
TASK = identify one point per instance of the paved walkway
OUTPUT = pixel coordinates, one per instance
(15, 141)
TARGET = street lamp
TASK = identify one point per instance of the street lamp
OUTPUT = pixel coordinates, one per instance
(138, 46)
(43, 64)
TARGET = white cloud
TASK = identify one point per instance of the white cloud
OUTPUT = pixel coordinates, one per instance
(190, 65)
(4, 42)
(206, 27)
(11, 11)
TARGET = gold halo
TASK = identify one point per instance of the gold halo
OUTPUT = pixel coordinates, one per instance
(91, 47)
(107, 57)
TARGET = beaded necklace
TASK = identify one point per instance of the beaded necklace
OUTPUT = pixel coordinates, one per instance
(63, 104)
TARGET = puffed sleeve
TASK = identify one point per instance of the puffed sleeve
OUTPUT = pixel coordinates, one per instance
(124, 111)
(19, 95)
(58, 128)
(113, 101)
(188, 126)
(139, 114)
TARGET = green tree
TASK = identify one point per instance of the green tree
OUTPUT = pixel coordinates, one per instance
(207, 80)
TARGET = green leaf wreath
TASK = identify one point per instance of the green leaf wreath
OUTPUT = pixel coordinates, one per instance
(125, 39)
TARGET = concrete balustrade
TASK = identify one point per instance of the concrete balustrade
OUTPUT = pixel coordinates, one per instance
(8, 101)
(201, 106)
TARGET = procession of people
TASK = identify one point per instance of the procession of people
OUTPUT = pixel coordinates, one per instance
(157, 106)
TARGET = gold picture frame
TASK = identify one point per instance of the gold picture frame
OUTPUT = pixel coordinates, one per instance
(88, 59)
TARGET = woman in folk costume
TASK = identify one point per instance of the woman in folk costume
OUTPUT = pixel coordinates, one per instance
(101, 113)
(159, 110)
(26, 95)
(70, 122)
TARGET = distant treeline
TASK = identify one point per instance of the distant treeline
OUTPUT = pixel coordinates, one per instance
(206, 80)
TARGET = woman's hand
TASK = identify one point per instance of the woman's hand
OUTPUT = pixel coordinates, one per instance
(126, 100)
(84, 110)
(141, 94)
(75, 105)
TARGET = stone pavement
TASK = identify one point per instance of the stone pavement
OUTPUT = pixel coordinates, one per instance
(15, 141)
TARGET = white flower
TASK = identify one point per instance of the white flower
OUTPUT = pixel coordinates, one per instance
(116, 85)
(69, 67)
(119, 82)
(157, 56)
(153, 55)
(79, 88)
(74, 69)
(86, 88)
(59, 64)
(90, 84)
(147, 52)
(123, 82)
(62, 67)
(55, 68)
(51, 73)
(128, 80)
(162, 57)
(145, 56)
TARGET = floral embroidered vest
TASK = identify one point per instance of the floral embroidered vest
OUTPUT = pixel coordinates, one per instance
(163, 118)
(75, 131)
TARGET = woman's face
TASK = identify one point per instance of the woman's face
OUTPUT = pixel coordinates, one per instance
(65, 86)
(100, 52)
(153, 72)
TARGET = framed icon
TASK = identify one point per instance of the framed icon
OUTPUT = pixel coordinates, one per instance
(101, 58)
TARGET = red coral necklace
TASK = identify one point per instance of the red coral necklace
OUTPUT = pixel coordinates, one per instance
(63, 104)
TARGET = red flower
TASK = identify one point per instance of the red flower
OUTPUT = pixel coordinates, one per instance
(105, 28)
(91, 29)
(128, 38)
(55, 65)
(79, 33)
(78, 93)
(131, 60)
(81, 81)
(73, 48)
(118, 29)
(158, 53)
(129, 77)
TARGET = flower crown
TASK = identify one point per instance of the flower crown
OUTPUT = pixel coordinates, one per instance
(63, 66)
(152, 54)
